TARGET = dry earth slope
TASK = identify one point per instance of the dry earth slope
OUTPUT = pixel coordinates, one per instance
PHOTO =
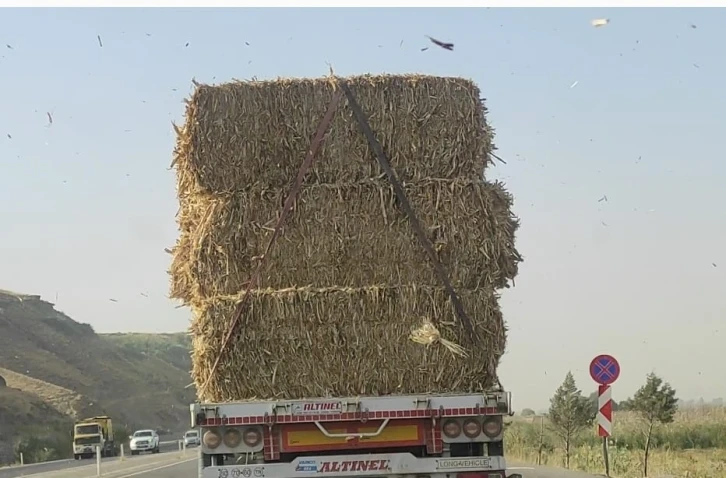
(68, 370)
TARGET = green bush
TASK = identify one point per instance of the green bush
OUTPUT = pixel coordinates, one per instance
(37, 448)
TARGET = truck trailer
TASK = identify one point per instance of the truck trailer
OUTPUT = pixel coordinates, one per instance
(416, 436)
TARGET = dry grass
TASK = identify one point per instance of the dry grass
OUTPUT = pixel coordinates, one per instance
(349, 235)
(693, 446)
(257, 132)
(344, 342)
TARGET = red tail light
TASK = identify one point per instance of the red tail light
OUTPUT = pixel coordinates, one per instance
(252, 437)
(452, 429)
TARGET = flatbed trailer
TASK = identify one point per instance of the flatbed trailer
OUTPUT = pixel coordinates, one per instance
(407, 436)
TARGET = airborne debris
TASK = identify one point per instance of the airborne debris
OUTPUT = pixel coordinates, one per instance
(100, 43)
(50, 118)
(444, 45)
(10, 47)
(600, 22)
(604, 198)
(574, 84)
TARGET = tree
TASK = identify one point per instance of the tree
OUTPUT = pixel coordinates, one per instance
(570, 413)
(655, 402)
(527, 412)
(592, 398)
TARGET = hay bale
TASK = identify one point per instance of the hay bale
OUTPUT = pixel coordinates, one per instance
(242, 133)
(306, 342)
(349, 235)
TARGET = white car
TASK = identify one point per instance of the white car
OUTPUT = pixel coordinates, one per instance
(144, 440)
(191, 438)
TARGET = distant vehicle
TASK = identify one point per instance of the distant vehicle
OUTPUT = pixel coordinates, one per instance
(144, 440)
(90, 433)
(191, 438)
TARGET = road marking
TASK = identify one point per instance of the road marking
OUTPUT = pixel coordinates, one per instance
(118, 473)
(158, 468)
(108, 468)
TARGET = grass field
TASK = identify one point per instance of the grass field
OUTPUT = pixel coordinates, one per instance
(693, 446)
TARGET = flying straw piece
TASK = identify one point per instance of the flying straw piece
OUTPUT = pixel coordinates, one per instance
(600, 22)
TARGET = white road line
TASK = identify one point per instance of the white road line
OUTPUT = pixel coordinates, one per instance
(107, 468)
(158, 468)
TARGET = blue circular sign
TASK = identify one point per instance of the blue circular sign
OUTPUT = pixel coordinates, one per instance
(604, 369)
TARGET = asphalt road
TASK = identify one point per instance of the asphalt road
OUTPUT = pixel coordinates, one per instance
(184, 465)
(144, 466)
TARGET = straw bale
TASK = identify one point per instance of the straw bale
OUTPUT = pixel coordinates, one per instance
(241, 133)
(350, 235)
(323, 342)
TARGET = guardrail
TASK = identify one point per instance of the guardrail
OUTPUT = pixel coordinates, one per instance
(164, 444)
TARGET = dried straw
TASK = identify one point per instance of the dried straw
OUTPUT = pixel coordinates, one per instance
(349, 235)
(242, 133)
(320, 329)
(320, 342)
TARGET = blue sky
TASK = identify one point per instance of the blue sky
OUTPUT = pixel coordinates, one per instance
(89, 202)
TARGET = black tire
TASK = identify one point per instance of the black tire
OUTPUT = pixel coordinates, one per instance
(155, 450)
(134, 452)
(76, 456)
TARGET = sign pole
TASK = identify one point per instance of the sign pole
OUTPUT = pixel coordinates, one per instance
(605, 455)
(604, 370)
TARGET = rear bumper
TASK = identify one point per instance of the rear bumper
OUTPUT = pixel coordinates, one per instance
(384, 465)
(148, 447)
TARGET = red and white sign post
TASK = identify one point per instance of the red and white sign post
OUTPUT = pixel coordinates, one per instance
(604, 370)
(604, 411)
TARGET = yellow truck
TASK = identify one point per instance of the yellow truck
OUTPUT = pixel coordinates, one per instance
(90, 433)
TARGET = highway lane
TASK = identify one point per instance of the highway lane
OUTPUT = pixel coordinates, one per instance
(189, 470)
(169, 453)
(184, 465)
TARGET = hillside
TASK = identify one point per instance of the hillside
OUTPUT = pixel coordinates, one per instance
(139, 379)
(17, 409)
(170, 348)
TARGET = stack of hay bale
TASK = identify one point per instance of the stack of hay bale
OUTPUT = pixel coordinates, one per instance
(347, 281)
